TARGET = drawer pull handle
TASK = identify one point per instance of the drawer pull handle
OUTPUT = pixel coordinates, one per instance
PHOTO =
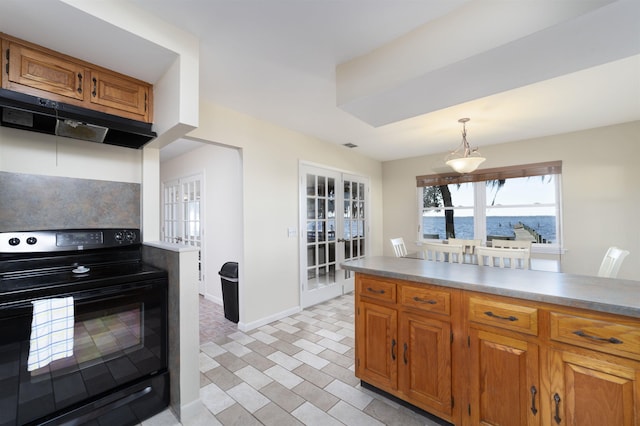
(599, 339)
(404, 354)
(375, 291)
(557, 418)
(79, 83)
(430, 301)
(492, 315)
(534, 391)
(393, 347)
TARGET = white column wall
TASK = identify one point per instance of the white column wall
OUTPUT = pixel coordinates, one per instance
(40, 154)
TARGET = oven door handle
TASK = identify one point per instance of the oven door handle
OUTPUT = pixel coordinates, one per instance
(117, 291)
(14, 309)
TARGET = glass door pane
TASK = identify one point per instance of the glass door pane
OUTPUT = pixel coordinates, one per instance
(320, 241)
(171, 203)
(182, 211)
(333, 209)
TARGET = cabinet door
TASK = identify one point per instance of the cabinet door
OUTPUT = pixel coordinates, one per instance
(377, 345)
(425, 361)
(590, 392)
(120, 95)
(38, 73)
(504, 380)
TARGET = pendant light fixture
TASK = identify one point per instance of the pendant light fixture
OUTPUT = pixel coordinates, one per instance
(464, 159)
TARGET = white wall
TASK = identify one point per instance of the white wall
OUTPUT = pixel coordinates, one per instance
(601, 200)
(269, 272)
(40, 154)
(222, 194)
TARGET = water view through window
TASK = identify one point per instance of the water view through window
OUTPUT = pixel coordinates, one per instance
(497, 226)
(518, 208)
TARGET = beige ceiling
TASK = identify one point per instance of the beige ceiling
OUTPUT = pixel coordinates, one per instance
(394, 76)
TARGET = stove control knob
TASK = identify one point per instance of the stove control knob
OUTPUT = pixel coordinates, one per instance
(119, 236)
(31, 240)
(14, 241)
(130, 236)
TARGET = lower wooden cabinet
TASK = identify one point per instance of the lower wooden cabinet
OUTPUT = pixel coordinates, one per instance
(377, 351)
(479, 359)
(586, 390)
(425, 361)
(504, 380)
(404, 352)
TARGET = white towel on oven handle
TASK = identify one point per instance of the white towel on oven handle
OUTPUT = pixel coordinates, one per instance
(51, 331)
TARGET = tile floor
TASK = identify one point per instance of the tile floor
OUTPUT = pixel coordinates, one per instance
(296, 371)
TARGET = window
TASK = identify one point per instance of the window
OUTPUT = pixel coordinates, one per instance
(520, 202)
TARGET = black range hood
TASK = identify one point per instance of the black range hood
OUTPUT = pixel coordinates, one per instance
(26, 112)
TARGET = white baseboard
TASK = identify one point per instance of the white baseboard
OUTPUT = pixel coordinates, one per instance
(214, 299)
(267, 320)
(191, 411)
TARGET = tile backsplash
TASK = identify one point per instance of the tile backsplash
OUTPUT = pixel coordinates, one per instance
(34, 202)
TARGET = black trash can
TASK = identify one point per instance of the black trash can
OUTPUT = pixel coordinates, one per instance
(229, 277)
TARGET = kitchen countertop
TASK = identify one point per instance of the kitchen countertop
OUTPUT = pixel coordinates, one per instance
(615, 296)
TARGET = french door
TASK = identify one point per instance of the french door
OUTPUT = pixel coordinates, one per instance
(333, 220)
(182, 216)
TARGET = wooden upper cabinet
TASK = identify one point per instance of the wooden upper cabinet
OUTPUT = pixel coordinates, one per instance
(115, 92)
(34, 72)
(41, 72)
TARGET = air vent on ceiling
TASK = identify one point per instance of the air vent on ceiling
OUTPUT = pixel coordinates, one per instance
(350, 145)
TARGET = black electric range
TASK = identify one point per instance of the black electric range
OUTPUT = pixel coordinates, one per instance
(84, 326)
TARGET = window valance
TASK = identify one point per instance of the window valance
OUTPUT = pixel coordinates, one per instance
(497, 173)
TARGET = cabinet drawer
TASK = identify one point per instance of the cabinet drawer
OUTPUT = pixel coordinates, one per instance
(504, 315)
(377, 289)
(426, 299)
(596, 333)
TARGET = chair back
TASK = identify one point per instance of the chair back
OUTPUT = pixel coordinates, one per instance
(398, 247)
(468, 245)
(612, 261)
(517, 244)
(503, 257)
(439, 252)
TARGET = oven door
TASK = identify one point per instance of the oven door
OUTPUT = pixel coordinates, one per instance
(61, 352)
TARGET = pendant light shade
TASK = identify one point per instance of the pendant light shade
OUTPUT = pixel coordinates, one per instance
(464, 159)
